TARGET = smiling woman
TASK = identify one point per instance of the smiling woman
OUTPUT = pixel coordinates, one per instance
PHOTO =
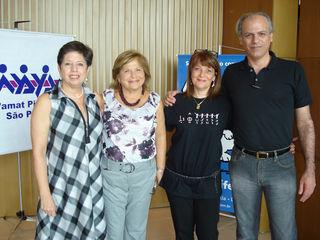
(131, 76)
(134, 146)
(192, 176)
(66, 133)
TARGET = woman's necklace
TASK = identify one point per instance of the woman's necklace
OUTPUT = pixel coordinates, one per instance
(124, 100)
(198, 104)
(73, 97)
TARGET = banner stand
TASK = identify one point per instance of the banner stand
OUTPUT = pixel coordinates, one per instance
(20, 214)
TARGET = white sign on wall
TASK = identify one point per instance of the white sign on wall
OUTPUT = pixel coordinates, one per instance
(28, 68)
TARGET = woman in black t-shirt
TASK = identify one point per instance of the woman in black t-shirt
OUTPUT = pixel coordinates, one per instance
(192, 176)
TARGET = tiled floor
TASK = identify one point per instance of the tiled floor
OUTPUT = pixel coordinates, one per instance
(159, 227)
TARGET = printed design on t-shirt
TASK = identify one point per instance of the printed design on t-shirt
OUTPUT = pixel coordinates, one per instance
(200, 118)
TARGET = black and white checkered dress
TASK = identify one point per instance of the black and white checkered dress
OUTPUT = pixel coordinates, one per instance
(73, 160)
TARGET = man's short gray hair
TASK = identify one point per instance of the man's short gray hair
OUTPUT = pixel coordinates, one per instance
(245, 16)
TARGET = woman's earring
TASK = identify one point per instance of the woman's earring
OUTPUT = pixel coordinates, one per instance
(213, 83)
(86, 79)
(190, 82)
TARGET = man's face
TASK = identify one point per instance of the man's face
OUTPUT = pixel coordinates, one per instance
(256, 37)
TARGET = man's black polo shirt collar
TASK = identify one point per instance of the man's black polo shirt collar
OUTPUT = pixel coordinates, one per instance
(245, 66)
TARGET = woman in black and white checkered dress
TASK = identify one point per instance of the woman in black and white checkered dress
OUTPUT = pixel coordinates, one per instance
(66, 132)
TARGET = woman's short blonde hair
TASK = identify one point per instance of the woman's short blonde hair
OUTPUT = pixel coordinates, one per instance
(123, 59)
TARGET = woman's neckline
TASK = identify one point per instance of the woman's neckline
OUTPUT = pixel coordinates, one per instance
(116, 95)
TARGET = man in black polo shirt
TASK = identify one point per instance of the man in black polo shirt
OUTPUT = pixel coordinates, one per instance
(265, 93)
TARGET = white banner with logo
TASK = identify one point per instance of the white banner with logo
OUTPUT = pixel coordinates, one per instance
(28, 68)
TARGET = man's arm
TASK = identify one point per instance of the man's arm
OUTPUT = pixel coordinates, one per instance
(307, 138)
(170, 99)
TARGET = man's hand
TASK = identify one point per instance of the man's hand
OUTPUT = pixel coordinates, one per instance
(307, 185)
(170, 99)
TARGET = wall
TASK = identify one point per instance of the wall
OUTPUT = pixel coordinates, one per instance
(232, 11)
(308, 213)
(158, 29)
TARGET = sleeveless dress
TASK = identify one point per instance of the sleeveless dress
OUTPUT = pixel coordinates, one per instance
(74, 175)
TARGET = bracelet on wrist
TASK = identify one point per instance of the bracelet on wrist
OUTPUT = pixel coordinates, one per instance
(160, 170)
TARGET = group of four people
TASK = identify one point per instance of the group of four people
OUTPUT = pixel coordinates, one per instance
(97, 157)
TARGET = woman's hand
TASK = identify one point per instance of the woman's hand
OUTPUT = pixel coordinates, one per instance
(47, 205)
(159, 176)
(293, 146)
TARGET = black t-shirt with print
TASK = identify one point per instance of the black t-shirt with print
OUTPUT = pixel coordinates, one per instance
(196, 146)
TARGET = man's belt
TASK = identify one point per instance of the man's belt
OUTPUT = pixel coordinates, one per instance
(264, 154)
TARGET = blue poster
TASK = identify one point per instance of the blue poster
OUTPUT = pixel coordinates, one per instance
(226, 201)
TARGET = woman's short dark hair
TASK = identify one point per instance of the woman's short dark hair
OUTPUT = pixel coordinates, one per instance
(78, 47)
(208, 59)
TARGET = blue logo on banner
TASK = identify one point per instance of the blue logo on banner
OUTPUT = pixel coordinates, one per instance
(24, 85)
